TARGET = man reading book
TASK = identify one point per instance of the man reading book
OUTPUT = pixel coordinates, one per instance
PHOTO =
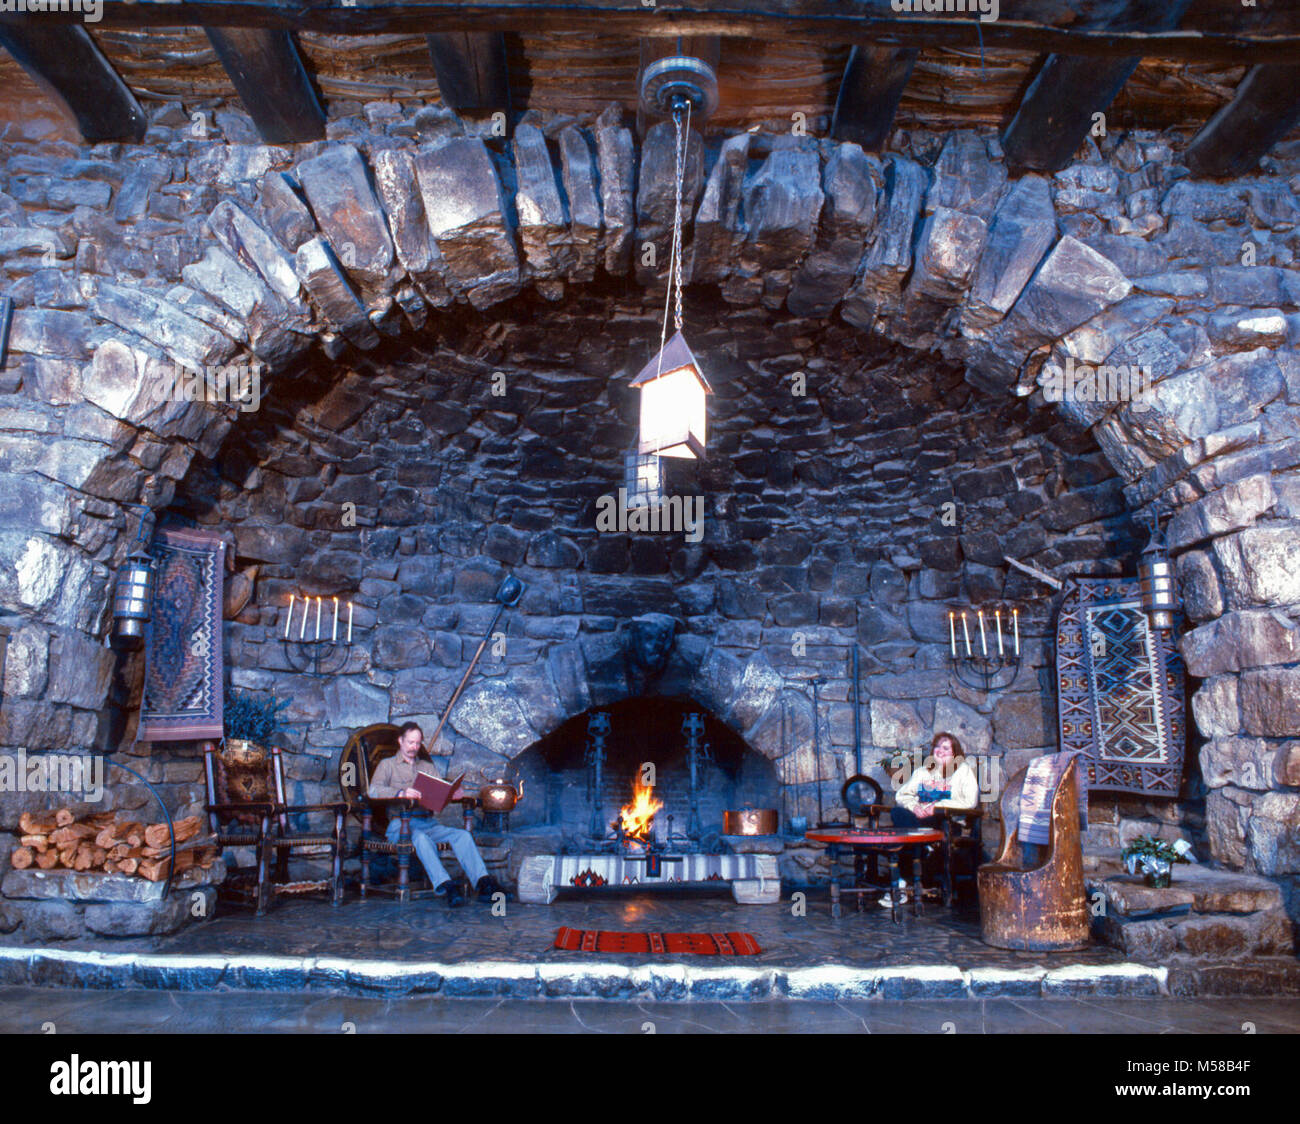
(395, 777)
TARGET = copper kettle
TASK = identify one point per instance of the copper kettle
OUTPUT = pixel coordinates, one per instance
(499, 795)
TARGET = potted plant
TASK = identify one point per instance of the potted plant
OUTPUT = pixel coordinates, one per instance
(1153, 858)
(250, 723)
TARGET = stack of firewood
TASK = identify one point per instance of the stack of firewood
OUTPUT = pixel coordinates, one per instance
(103, 842)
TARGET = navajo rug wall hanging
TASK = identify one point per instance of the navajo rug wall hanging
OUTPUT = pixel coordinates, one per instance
(1120, 689)
(183, 658)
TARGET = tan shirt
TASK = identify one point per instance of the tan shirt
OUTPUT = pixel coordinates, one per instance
(394, 775)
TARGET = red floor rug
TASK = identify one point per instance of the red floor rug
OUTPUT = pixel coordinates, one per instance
(701, 944)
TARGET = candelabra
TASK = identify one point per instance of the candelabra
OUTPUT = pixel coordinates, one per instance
(307, 650)
(984, 664)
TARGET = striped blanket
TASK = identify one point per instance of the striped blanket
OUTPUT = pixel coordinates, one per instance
(697, 944)
(1041, 780)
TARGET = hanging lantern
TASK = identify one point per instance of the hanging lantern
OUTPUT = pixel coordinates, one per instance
(1156, 582)
(132, 601)
(643, 480)
(672, 403)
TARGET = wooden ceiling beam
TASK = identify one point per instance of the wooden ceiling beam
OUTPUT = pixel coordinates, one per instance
(872, 86)
(1219, 30)
(66, 60)
(472, 73)
(271, 81)
(1264, 109)
(1067, 93)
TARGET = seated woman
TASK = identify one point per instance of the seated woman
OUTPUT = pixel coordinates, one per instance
(946, 780)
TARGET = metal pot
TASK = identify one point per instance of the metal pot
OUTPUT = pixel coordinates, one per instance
(498, 796)
(751, 821)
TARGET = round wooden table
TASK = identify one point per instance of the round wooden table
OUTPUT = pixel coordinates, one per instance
(880, 841)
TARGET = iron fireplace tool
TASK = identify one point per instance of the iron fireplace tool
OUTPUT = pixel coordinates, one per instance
(506, 596)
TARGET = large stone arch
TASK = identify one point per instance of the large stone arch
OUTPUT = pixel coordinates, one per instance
(940, 251)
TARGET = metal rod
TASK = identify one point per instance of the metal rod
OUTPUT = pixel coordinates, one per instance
(857, 716)
(817, 744)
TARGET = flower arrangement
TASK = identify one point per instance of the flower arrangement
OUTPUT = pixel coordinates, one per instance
(250, 719)
(1154, 858)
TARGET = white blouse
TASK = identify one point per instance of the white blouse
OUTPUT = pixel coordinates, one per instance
(963, 784)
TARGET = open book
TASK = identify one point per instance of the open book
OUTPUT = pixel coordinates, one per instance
(435, 793)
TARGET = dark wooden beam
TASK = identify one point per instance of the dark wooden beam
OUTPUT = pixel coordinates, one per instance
(272, 82)
(1060, 105)
(65, 60)
(1221, 30)
(471, 70)
(872, 86)
(1265, 108)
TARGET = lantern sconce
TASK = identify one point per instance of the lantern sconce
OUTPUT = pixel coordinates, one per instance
(133, 594)
(643, 479)
(672, 403)
(1156, 579)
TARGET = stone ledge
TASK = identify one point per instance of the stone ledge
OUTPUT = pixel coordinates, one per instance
(1194, 887)
(75, 886)
(48, 967)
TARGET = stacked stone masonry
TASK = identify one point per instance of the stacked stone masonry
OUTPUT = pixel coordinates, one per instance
(382, 279)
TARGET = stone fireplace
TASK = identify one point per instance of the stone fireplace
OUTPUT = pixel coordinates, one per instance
(880, 442)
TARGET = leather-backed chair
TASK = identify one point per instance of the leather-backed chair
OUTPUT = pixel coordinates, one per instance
(247, 807)
(364, 751)
(1040, 907)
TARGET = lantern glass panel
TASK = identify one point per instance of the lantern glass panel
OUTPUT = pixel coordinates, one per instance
(673, 414)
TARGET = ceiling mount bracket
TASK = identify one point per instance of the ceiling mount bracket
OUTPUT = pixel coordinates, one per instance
(669, 82)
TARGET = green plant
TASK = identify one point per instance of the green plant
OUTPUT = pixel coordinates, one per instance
(1146, 853)
(250, 719)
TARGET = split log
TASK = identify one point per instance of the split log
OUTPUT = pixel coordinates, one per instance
(73, 833)
(39, 843)
(63, 817)
(117, 851)
(37, 823)
(67, 854)
(109, 867)
(121, 831)
(99, 819)
(48, 860)
(156, 835)
(21, 858)
(127, 866)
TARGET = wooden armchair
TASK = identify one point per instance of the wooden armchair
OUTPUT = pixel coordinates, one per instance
(1043, 907)
(365, 749)
(247, 807)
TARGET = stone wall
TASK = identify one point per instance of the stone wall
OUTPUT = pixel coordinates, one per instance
(398, 231)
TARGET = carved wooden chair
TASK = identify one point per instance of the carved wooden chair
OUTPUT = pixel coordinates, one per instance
(247, 807)
(365, 749)
(1040, 907)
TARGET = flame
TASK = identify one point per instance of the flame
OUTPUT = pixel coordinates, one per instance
(635, 818)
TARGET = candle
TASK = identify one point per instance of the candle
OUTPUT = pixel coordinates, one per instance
(1015, 622)
(952, 633)
(334, 636)
(289, 623)
(966, 630)
(302, 631)
(997, 616)
(984, 640)
(349, 622)
(317, 618)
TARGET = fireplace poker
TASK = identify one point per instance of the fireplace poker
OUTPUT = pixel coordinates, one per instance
(507, 595)
(857, 716)
(817, 681)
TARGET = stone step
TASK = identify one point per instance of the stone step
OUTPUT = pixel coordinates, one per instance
(50, 967)
(1193, 888)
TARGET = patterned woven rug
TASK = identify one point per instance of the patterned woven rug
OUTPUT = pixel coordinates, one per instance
(699, 944)
(1120, 689)
(183, 659)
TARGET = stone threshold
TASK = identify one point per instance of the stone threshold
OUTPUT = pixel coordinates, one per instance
(666, 980)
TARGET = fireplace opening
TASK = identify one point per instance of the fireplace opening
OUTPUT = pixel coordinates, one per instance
(671, 750)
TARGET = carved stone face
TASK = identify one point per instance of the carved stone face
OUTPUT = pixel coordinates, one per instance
(650, 640)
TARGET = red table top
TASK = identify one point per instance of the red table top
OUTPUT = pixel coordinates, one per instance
(879, 837)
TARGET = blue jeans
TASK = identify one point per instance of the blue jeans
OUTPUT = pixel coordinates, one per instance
(426, 834)
(907, 819)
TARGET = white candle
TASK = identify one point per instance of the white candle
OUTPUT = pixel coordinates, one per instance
(984, 640)
(349, 622)
(317, 618)
(997, 617)
(289, 623)
(965, 629)
(952, 633)
(334, 636)
(302, 630)
(1015, 622)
